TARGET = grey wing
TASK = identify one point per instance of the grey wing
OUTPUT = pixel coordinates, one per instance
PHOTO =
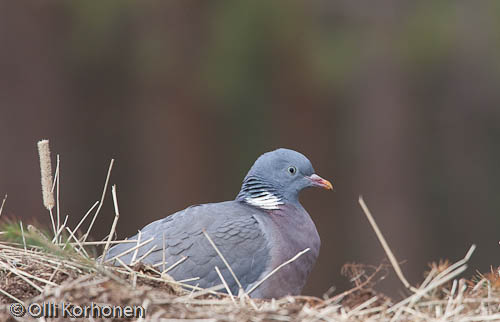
(232, 227)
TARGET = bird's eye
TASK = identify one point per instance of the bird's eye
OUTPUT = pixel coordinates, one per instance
(292, 170)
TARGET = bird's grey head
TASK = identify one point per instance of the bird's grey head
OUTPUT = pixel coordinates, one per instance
(278, 177)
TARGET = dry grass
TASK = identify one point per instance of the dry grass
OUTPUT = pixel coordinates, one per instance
(36, 275)
(37, 267)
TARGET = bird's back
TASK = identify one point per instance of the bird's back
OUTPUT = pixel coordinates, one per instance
(232, 226)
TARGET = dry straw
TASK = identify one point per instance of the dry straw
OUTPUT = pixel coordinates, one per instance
(3, 203)
(386, 247)
(115, 221)
(84, 238)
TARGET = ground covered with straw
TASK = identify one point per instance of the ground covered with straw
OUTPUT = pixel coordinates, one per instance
(59, 276)
(33, 275)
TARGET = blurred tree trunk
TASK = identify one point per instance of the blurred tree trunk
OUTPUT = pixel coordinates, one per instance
(387, 169)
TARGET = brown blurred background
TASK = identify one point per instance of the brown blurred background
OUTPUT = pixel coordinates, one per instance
(399, 102)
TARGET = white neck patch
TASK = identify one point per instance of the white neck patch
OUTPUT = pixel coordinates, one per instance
(267, 201)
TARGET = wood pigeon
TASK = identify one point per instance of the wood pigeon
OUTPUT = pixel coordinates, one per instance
(262, 228)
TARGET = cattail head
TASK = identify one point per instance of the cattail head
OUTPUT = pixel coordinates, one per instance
(46, 173)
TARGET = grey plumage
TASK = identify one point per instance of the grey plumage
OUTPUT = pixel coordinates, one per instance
(263, 227)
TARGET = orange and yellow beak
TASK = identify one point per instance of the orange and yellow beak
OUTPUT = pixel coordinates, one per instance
(317, 181)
